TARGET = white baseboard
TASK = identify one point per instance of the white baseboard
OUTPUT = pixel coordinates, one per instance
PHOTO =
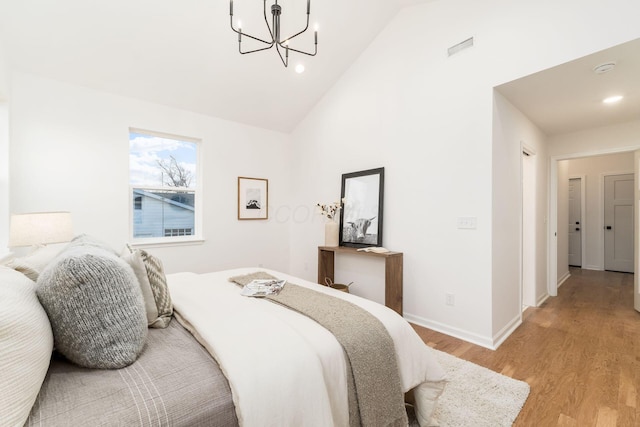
(471, 337)
(593, 267)
(504, 333)
(542, 299)
(563, 278)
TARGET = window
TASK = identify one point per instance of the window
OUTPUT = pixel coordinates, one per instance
(170, 232)
(164, 191)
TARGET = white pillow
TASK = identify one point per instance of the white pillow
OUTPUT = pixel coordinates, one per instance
(32, 264)
(26, 343)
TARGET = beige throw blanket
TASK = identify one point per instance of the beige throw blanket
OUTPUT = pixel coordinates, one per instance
(375, 391)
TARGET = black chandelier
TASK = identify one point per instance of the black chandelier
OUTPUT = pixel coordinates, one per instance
(274, 31)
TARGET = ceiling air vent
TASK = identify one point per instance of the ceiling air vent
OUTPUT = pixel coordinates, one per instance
(460, 46)
(603, 68)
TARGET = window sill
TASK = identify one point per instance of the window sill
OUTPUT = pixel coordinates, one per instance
(166, 242)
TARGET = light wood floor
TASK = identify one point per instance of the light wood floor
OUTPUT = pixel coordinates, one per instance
(579, 352)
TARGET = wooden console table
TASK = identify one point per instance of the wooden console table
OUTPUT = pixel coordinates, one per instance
(392, 272)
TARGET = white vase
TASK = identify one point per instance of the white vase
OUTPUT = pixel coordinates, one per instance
(331, 233)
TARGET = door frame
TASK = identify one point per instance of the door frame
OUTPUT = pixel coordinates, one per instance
(552, 230)
(583, 216)
(603, 175)
(529, 152)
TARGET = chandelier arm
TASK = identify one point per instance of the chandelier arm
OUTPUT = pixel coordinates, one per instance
(249, 35)
(303, 52)
(255, 50)
(285, 63)
(256, 38)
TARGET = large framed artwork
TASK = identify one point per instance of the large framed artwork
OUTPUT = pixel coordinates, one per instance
(253, 198)
(361, 215)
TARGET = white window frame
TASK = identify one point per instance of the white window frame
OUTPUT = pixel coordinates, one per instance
(196, 238)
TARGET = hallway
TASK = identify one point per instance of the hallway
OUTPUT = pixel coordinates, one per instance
(579, 352)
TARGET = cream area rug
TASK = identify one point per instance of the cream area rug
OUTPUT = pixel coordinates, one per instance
(476, 396)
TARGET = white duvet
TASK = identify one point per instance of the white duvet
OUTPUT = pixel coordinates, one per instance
(284, 369)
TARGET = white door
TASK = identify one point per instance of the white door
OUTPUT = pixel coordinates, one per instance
(575, 226)
(618, 223)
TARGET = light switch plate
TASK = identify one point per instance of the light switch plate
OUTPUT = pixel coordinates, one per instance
(467, 222)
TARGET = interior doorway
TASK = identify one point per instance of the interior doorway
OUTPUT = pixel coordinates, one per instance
(575, 222)
(557, 224)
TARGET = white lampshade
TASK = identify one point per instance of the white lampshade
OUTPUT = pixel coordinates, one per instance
(40, 228)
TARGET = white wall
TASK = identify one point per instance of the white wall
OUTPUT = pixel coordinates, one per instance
(4, 73)
(594, 169)
(428, 120)
(4, 152)
(512, 130)
(601, 140)
(4, 177)
(70, 151)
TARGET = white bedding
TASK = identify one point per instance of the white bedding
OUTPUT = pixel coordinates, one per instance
(284, 368)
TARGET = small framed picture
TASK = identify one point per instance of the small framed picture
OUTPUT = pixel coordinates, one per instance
(253, 198)
(361, 215)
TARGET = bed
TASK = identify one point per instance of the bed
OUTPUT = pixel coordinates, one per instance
(223, 360)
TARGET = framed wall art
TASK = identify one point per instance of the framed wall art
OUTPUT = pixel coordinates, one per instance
(361, 215)
(253, 198)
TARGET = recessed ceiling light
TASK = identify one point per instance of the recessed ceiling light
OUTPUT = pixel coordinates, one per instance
(612, 99)
(603, 68)
(299, 68)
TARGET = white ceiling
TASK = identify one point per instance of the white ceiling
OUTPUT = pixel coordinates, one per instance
(568, 97)
(183, 53)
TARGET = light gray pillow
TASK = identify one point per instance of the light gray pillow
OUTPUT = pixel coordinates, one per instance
(159, 287)
(153, 282)
(95, 307)
(134, 259)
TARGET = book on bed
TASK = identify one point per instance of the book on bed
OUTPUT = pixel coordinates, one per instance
(263, 287)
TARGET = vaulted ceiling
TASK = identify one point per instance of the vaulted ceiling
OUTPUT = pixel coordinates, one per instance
(183, 53)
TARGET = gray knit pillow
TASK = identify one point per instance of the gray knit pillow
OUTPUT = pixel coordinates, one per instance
(95, 307)
(84, 240)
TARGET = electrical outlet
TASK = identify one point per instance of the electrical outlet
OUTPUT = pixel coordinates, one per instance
(450, 299)
(260, 265)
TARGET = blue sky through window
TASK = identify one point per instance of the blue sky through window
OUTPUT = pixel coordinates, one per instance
(146, 150)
